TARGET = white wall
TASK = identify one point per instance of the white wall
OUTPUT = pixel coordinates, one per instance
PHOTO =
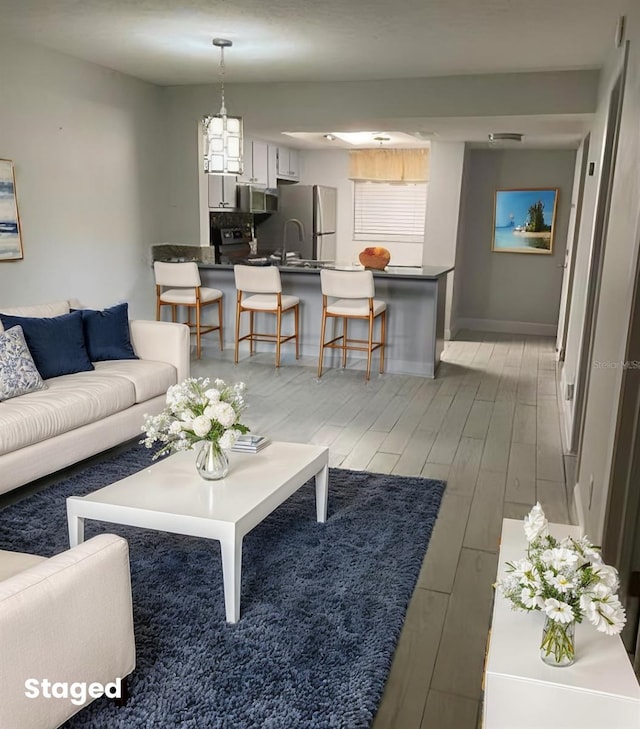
(84, 141)
(618, 281)
(583, 254)
(443, 213)
(511, 292)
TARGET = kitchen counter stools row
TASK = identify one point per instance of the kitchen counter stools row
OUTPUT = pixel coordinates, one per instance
(345, 295)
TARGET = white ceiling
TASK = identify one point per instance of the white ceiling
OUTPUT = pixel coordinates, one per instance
(167, 43)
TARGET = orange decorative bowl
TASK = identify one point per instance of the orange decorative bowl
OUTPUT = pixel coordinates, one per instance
(376, 257)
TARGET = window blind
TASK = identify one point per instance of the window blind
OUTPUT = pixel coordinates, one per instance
(385, 211)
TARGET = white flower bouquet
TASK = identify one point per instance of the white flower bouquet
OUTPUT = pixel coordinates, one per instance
(568, 581)
(197, 412)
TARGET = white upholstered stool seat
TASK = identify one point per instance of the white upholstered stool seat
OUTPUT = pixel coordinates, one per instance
(269, 302)
(350, 295)
(187, 290)
(259, 290)
(188, 296)
(355, 307)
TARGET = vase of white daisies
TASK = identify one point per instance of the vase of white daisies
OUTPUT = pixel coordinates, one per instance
(199, 414)
(567, 580)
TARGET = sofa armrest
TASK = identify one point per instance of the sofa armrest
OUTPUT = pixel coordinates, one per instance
(66, 619)
(162, 341)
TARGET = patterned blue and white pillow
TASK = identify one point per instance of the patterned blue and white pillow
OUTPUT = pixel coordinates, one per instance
(18, 373)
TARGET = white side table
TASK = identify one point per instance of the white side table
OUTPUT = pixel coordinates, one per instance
(521, 692)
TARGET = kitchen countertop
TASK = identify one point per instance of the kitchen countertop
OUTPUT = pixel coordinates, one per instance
(204, 257)
(410, 272)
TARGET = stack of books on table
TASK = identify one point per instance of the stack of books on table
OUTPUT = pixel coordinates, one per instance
(249, 443)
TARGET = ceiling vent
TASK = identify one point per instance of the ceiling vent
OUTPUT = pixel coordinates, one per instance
(505, 137)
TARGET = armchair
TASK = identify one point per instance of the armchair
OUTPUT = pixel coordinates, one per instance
(66, 619)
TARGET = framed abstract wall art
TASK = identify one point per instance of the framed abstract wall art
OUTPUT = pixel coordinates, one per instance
(523, 220)
(10, 234)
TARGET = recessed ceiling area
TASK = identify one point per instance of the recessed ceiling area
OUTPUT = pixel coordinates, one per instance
(356, 140)
(543, 132)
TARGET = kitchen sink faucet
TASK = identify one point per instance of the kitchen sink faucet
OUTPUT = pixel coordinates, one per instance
(300, 227)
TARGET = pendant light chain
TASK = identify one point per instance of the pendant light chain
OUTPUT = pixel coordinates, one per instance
(223, 108)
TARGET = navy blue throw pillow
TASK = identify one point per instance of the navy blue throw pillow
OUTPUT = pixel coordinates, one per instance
(106, 333)
(56, 343)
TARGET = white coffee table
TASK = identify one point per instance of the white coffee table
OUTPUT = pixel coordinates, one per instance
(171, 497)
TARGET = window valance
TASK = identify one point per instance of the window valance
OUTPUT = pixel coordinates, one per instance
(389, 165)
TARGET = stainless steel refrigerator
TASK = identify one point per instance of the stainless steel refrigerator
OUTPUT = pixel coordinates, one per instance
(315, 207)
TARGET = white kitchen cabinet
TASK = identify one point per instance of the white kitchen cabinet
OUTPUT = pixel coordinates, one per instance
(256, 163)
(222, 192)
(599, 690)
(272, 166)
(288, 164)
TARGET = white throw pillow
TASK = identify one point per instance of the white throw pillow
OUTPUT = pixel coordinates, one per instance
(55, 308)
(18, 373)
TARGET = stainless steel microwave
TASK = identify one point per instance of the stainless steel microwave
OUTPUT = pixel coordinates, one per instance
(256, 199)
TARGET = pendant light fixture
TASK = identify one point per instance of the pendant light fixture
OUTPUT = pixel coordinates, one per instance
(221, 133)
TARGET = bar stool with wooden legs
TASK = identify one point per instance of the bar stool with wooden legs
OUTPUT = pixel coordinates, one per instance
(352, 297)
(265, 285)
(187, 290)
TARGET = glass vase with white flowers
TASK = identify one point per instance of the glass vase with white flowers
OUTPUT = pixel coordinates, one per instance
(198, 412)
(567, 580)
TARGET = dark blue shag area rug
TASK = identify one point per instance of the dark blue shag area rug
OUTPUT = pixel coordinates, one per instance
(322, 604)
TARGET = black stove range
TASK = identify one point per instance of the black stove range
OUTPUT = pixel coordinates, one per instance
(231, 243)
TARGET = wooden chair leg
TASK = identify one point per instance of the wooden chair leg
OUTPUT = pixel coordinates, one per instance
(345, 335)
(237, 330)
(383, 338)
(324, 323)
(370, 345)
(158, 307)
(296, 314)
(251, 333)
(174, 312)
(198, 340)
(220, 324)
(278, 334)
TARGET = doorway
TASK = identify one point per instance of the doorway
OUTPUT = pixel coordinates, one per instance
(594, 281)
(573, 234)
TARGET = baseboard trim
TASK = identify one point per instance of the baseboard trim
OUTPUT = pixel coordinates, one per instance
(508, 327)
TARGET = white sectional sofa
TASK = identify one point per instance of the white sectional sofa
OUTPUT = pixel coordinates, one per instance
(81, 414)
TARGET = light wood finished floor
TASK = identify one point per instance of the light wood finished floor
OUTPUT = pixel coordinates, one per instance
(488, 425)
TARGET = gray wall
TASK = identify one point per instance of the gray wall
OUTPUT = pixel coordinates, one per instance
(510, 291)
(85, 143)
(348, 105)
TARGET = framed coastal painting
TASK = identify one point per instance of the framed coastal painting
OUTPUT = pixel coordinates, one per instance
(523, 220)
(10, 234)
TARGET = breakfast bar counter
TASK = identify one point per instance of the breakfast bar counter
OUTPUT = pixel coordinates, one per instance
(415, 298)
